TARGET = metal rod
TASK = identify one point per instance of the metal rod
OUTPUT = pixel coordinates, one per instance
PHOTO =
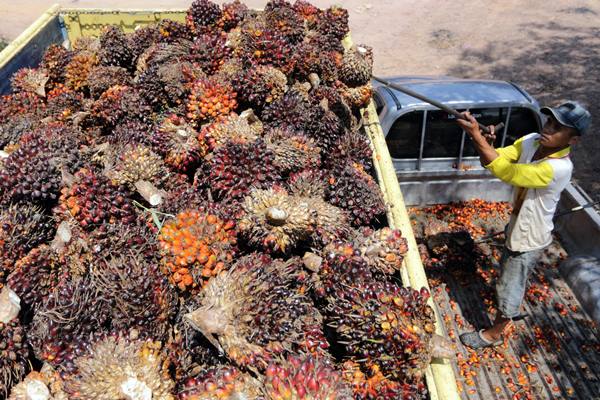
(435, 103)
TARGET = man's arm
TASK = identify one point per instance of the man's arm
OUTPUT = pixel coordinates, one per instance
(486, 151)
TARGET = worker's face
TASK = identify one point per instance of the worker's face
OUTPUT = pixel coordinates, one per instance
(556, 135)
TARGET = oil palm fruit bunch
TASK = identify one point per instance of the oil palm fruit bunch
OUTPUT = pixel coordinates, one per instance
(236, 167)
(285, 20)
(137, 163)
(19, 113)
(32, 173)
(333, 23)
(120, 103)
(310, 58)
(264, 45)
(357, 66)
(259, 309)
(47, 384)
(378, 323)
(78, 70)
(22, 228)
(102, 77)
(196, 246)
(308, 12)
(325, 127)
(132, 133)
(232, 127)
(209, 100)
(220, 382)
(260, 86)
(203, 16)
(118, 367)
(35, 276)
(114, 48)
(62, 102)
(233, 14)
(93, 200)
(292, 110)
(277, 222)
(210, 51)
(176, 141)
(293, 152)
(173, 31)
(352, 189)
(14, 354)
(353, 146)
(54, 61)
(304, 377)
(141, 39)
(30, 80)
(138, 293)
(308, 183)
(356, 97)
(384, 248)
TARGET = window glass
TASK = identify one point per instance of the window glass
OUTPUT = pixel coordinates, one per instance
(404, 138)
(486, 116)
(378, 103)
(522, 121)
(442, 135)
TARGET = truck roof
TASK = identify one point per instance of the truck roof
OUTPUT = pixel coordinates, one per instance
(450, 90)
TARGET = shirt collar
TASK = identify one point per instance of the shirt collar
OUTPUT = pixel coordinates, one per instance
(559, 154)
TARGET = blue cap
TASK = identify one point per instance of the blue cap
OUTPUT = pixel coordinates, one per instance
(571, 114)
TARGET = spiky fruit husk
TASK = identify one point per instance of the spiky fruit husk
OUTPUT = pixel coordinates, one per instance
(35, 276)
(325, 128)
(114, 48)
(356, 97)
(209, 100)
(233, 14)
(14, 354)
(278, 222)
(333, 22)
(260, 86)
(357, 66)
(55, 60)
(220, 382)
(353, 146)
(93, 200)
(308, 183)
(141, 39)
(379, 323)
(293, 152)
(291, 111)
(32, 173)
(210, 51)
(259, 309)
(139, 294)
(203, 16)
(119, 104)
(260, 45)
(232, 127)
(137, 163)
(162, 53)
(132, 132)
(22, 228)
(102, 77)
(118, 367)
(304, 377)
(354, 190)
(196, 246)
(78, 70)
(236, 167)
(30, 80)
(310, 58)
(177, 142)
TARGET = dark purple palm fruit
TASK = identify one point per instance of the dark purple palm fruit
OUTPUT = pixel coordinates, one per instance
(233, 14)
(352, 189)
(210, 51)
(114, 48)
(176, 141)
(236, 167)
(203, 16)
(119, 104)
(102, 77)
(259, 86)
(54, 61)
(173, 31)
(22, 228)
(14, 354)
(93, 200)
(333, 23)
(132, 132)
(33, 172)
(291, 111)
(281, 16)
(353, 146)
(141, 39)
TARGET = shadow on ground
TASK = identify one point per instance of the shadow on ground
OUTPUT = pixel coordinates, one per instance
(555, 63)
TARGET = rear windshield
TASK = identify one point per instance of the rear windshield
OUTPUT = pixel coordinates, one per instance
(443, 138)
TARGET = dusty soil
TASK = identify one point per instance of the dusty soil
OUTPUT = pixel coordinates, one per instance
(552, 49)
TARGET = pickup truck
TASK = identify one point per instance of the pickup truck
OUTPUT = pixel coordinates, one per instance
(436, 164)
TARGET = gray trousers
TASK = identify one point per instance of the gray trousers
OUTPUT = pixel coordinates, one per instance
(510, 288)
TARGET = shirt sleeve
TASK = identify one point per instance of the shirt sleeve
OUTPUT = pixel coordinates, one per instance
(512, 152)
(531, 176)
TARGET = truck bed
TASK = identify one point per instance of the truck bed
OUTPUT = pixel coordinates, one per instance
(554, 353)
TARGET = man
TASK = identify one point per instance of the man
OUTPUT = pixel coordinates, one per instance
(539, 167)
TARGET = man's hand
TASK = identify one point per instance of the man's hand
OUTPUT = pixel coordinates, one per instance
(471, 127)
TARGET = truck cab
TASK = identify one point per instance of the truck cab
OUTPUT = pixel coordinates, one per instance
(429, 149)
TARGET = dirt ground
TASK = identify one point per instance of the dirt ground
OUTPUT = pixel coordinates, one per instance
(552, 49)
